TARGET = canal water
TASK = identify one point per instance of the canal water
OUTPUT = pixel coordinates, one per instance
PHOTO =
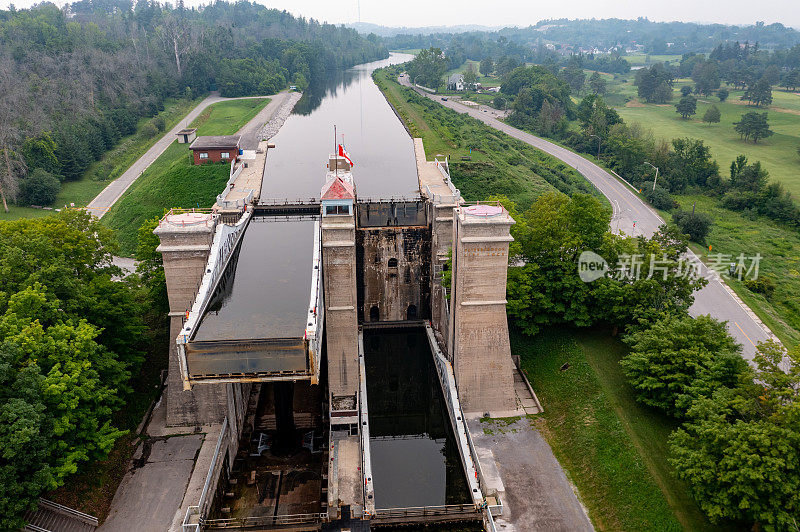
(415, 461)
(374, 137)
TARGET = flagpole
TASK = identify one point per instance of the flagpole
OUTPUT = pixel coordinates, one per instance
(335, 153)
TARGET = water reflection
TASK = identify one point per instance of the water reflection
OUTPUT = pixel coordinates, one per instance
(379, 144)
(414, 458)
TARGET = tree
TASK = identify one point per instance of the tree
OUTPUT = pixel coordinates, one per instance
(428, 67)
(654, 84)
(597, 84)
(11, 131)
(722, 94)
(695, 224)
(686, 90)
(39, 188)
(690, 164)
(759, 94)
(754, 126)
(712, 115)
(706, 77)
(748, 177)
(575, 77)
(175, 35)
(470, 76)
(499, 102)
(486, 66)
(675, 360)
(740, 448)
(686, 107)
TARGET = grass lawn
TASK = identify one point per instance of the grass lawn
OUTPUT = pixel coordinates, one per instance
(778, 153)
(734, 233)
(174, 181)
(113, 163)
(499, 165)
(613, 449)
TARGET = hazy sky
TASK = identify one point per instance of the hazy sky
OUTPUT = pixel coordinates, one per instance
(526, 12)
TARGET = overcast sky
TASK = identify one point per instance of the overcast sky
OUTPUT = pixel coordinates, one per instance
(526, 12)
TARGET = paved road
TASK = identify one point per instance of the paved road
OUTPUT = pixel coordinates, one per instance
(103, 201)
(715, 299)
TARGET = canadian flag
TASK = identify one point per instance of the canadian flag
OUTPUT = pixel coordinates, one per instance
(343, 153)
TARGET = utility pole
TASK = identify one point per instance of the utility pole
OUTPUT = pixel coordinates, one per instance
(656, 178)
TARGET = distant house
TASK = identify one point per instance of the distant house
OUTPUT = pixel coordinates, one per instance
(186, 136)
(215, 149)
(455, 82)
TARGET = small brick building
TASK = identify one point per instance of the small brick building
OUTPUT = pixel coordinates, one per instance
(215, 149)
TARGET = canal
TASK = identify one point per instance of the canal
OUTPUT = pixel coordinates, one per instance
(415, 461)
(375, 138)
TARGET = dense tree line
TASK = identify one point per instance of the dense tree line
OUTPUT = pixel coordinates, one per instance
(75, 80)
(71, 337)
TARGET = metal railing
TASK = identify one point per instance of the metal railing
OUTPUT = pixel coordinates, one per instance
(421, 512)
(447, 381)
(287, 201)
(262, 521)
(194, 518)
(69, 512)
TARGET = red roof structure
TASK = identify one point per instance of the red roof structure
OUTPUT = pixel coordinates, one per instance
(338, 189)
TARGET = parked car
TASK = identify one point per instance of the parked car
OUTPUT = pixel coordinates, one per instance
(444, 98)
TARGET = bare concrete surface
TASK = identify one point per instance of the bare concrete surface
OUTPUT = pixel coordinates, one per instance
(633, 216)
(109, 195)
(193, 486)
(517, 462)
(151, 491)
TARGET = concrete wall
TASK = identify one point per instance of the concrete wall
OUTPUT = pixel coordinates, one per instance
(393, 273)
(478, 329)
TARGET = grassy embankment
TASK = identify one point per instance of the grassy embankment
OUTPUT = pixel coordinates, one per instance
(779, 246)
(499, 165)
(111, 165)
(613, 449)
(173, 180)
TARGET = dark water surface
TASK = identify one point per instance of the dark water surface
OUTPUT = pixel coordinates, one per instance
(415, 461)
(380, 147)
(265, 290)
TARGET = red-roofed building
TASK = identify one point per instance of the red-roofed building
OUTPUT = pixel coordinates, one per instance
(337, 197)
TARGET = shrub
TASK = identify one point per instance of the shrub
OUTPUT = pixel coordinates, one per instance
(697, 225)
(160, 124)
(762, 285)
(149, 130)
(659, 198)
(39, 188)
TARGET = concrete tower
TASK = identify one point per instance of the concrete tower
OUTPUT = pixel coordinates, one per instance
(339, 273)
(478, 328)
(185, 243)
